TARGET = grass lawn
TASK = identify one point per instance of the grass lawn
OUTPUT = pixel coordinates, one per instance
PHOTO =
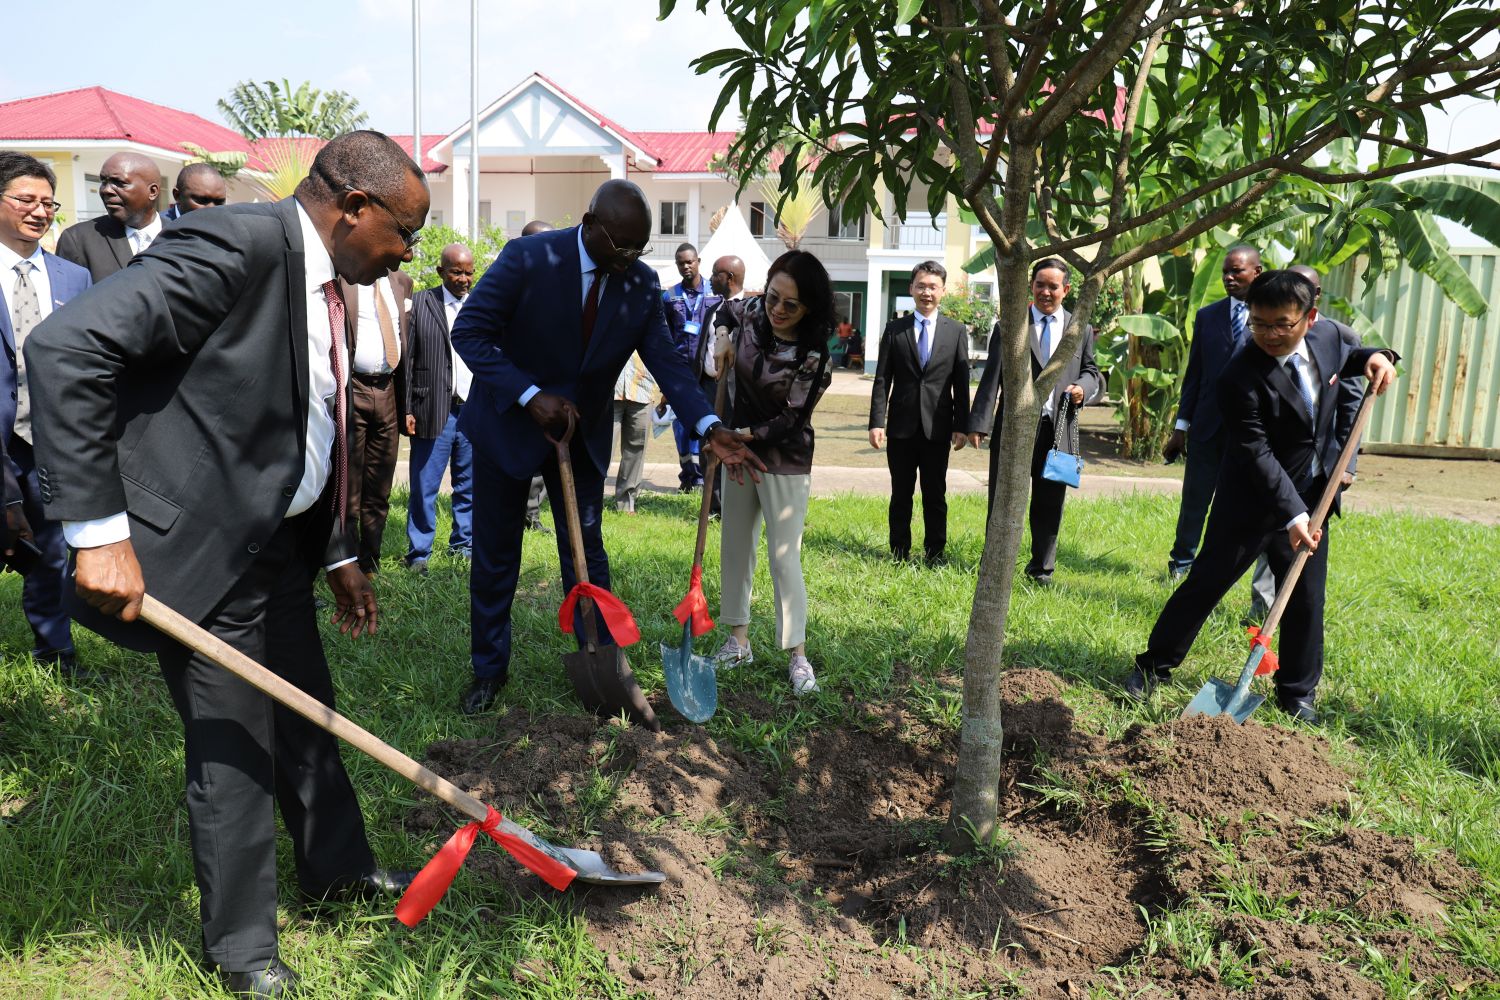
(97, 897)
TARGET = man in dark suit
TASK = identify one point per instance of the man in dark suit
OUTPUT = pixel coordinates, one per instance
(378, 328)
(1219, 330)
(437, 383)
(1078, 384)
(199, 185)
(192, 433)
(1280, 401)
(920, 409)
(129, 185)
(33, 283)
(546, 332)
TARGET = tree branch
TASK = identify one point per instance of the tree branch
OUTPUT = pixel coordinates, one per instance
(1096, 66)
(1327, 177)
(1127, 137)
(1388, 140)
(1195, 228)
(1046, 24)
(1169, 18)
(1049, 223)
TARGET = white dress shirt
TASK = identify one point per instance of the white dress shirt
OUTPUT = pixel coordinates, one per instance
(463, 379)
(320, 418)
(369, 349)
(916, 329)
(1309, 376)
(1054, 335)
(141, 238)
(39, 278)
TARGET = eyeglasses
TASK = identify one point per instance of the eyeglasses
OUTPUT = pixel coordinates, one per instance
(623, 254)
(408, 237)
(790, 305)
(1260, 326)
(29, 205)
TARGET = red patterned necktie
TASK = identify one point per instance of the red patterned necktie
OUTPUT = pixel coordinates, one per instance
(591, 308)
(340, 445)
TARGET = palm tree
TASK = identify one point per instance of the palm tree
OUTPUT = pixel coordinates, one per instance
(271, 109)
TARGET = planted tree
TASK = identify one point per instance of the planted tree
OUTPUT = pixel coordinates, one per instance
(270, 109)
(1087, 121)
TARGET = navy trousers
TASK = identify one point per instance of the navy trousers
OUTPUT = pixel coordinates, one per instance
(42, 593)
(500, 509)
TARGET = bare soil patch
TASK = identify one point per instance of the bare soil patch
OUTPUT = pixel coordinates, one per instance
(820, 872)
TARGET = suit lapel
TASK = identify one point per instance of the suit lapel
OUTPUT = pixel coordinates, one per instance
(8, 334)
(351, 312)
(1281, 380)
(1324, 348)
(609, 306)
(119, 244)
(296, 308)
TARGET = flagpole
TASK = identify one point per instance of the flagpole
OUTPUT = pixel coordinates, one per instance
(474, 119)
(416, 81)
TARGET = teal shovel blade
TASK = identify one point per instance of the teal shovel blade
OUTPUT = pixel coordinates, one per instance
(1222, 698)
(691, 683)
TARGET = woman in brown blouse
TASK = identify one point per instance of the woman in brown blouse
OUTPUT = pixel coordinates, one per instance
(780, 348)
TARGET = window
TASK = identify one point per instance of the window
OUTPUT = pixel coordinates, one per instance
(674, 218)
(484, 215)
(762, 220)
(435, 217)
(981, 290)
(838, 229)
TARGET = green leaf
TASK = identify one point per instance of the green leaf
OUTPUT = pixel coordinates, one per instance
(1152, 329)
(981, 261)
(906, 10)
(1470, 201)
(1427, 251)
(1208, 283)
(783, 23)
(1278, 221)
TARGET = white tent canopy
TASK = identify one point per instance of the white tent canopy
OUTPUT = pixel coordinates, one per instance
(731, 239)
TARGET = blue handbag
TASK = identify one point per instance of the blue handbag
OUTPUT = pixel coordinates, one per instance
(1062, 466)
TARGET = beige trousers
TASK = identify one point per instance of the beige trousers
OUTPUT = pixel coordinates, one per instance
(781, 502)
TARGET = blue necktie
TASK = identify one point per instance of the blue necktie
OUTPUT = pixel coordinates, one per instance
(1237, 312)
(1295, 364)
(1046, 338)
(924, 347)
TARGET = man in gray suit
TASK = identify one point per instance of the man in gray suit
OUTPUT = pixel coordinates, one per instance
(1078, 384)
(192, 435)
(129, 185)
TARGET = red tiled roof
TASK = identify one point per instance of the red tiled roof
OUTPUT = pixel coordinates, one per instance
(97, 113)
(310, 147)
(686, 152)
(599, 119)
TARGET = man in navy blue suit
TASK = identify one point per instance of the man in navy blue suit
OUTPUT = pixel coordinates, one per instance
(1219, 329)
(546, 332)
(33, 282)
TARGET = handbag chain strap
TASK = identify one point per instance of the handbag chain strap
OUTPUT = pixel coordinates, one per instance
(1057, 426)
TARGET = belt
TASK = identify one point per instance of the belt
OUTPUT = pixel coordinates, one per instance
(377, 379)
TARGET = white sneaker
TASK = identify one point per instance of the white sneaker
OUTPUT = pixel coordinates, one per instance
(732, 654)
(803, 680)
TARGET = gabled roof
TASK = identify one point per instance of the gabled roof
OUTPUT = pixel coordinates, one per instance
(95, 113)
(630, 139)
(686, 152)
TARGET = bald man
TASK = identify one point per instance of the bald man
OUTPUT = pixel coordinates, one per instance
(199, 185)
(546, 333)
(129, 186)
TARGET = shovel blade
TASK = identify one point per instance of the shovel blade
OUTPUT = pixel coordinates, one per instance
(692, 684)
(606, 685)
(1217, 697)
(592, 869)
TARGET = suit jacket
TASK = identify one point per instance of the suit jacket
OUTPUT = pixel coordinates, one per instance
(911, 401)
(178, 392)
(1351, 389)
(97, 244)
(1266, 477)
(1208, 354)
(428, 361)
(522, 326)
(401, 286)
(987, 416)
(68, 280)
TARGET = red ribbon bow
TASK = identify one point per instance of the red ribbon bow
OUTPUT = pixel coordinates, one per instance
(616, 615)
(433, 880)
(695, 606)
(1269, 664)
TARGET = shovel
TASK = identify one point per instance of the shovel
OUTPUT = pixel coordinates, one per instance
(691, 682)
(1219, 697)
(555, 864)
(600, 674)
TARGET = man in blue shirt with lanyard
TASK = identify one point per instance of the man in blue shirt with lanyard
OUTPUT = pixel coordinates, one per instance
(688, 304)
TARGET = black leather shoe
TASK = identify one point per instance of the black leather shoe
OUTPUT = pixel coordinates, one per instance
(275, 980)
(380, 882)
(1139, 684)
(535, 524)
(481, 695)
(1300, 709)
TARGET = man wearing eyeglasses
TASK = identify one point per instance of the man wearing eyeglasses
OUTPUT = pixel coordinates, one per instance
(129, 185)
(193, 437)
(546, 333)
(1280, 399)
(33, 283)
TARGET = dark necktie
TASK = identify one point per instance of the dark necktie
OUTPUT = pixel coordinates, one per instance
(591, 308)
(1046, 338)
(924, 346)
(335, 358)
(1295, 364)
(1237, 312)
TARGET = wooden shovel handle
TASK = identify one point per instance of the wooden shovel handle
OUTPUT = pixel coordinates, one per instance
(575, 534)
(200, 640)
(710, 469)
(1319, 516)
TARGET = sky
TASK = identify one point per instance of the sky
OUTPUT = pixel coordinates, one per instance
(612, 55)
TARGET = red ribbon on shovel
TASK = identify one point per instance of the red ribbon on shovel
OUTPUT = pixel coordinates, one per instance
(617, 616)
(695, 605)
(433, 880)
(1269, 664)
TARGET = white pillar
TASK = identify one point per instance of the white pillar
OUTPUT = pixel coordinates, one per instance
(616, 164)
(694, 213)
(474, 119)
(874, 314)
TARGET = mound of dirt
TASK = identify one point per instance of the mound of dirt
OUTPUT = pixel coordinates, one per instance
(821, 872)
